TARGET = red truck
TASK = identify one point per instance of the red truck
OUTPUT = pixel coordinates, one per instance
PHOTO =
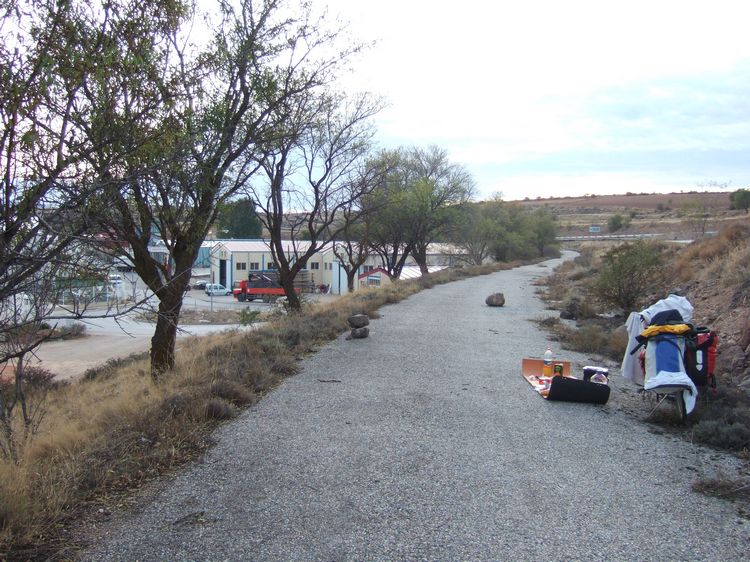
(259, 286)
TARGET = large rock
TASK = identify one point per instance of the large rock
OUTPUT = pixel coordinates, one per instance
(495, 299)
(360, 333)
(359, 321)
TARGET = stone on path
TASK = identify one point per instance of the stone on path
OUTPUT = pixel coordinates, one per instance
(495, 299)
(359, 320)
(359, 333)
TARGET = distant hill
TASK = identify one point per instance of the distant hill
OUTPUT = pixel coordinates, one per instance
(640, 201)
(682, 215)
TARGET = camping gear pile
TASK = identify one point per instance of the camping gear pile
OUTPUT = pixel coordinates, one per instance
(667, 355)
(560, 384)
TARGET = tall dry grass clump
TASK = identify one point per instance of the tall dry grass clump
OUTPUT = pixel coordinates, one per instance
(113, 429)
(725, 256)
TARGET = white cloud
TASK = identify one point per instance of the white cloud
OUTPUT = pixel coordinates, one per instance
(507, 83)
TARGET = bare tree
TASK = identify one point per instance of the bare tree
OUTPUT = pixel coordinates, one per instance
(209, 115)
(45, 205)
(312, 178)
(352, 247)
(41, 151)
(21, 397)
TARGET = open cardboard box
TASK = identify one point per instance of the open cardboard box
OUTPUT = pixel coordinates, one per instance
(535, 367)
(566, 388)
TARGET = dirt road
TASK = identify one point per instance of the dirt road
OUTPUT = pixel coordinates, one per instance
(105, 340)
(423, 442)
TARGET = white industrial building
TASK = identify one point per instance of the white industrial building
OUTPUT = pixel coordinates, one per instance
(231, 261)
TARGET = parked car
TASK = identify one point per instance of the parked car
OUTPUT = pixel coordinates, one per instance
(213, 289)
(200, 285)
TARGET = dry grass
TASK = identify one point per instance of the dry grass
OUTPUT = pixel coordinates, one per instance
(736, 490)
(114, 429)
(725, 256)
(593, 337)
(724, 487)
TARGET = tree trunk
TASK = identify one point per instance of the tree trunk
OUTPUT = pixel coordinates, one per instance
(165, 335)
(8, 447)
(420, 256)
(398, 266)
(350, 279)
(287, 282)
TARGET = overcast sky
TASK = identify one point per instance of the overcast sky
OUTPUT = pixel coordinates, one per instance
(564, 97)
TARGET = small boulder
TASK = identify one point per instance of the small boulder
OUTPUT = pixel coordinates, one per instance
(360, 333)
(358, 320)
(495, 299)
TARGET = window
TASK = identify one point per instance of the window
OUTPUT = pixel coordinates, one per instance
(271, 266)
(367, 268)
(254, 265)
(314, 265)
(241, 266)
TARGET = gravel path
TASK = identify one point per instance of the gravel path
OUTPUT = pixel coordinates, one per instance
(433, 447)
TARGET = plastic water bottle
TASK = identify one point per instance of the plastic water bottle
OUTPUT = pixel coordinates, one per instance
(547, 368)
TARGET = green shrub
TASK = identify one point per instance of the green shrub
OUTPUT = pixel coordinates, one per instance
(248, 317)
(740, 199)
(630, 274)
(617, 222)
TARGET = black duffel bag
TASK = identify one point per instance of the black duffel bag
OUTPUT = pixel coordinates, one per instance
(576, 390)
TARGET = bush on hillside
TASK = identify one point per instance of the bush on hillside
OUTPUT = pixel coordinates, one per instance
(629, 274)
(740, 199)
(617, 222)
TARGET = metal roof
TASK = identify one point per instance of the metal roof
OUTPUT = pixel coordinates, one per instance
(263, 246)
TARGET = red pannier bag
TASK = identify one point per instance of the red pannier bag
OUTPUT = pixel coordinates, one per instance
(700, 356)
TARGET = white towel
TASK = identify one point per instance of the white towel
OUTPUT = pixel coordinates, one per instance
(631, 367)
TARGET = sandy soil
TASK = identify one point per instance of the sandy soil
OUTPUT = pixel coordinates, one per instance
(71, 358)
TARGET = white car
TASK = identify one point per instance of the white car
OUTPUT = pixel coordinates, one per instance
(213, 289)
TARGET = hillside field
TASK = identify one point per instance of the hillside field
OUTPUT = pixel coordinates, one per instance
(677, 214)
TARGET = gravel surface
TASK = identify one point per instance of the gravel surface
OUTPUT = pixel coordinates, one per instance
(431, 446)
